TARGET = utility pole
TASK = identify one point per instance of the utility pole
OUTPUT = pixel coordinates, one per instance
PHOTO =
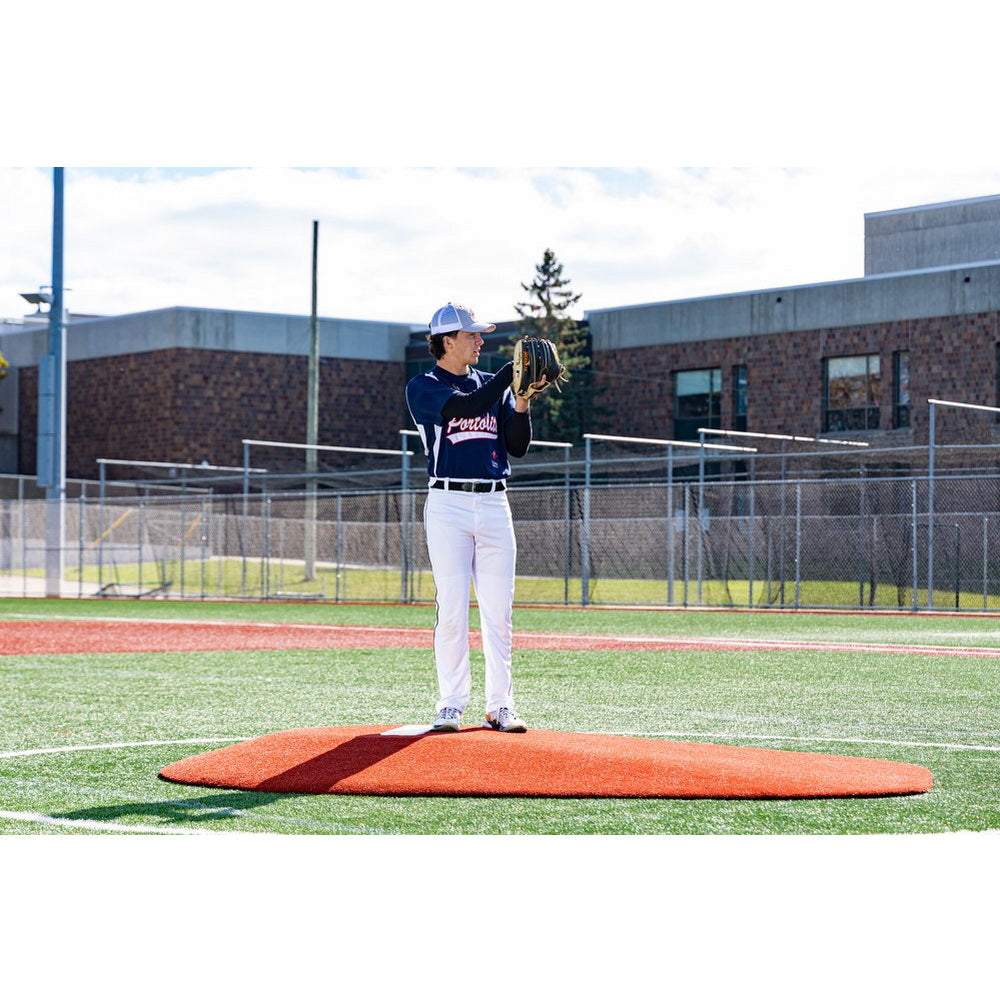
(312, 419)
(51, 453)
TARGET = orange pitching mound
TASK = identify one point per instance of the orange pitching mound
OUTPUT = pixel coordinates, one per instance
(369, 760)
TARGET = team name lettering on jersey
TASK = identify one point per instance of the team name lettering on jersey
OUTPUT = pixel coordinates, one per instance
(471, 428)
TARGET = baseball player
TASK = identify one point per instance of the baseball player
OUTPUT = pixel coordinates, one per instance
(469, 422)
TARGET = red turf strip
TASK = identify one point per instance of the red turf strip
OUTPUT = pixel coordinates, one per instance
(24, 638)
(358, 760)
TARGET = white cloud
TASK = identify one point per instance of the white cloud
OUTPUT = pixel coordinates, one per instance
(397, 242)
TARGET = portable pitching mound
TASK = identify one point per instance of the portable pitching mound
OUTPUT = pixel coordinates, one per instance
(409, 760)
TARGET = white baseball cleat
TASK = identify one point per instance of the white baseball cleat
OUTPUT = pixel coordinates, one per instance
(448, 720)
(506, 720)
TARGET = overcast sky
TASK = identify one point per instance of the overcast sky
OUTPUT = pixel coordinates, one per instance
(397, 242)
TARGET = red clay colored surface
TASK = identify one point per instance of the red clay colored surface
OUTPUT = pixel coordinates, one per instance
(358, 760)
(132, 636)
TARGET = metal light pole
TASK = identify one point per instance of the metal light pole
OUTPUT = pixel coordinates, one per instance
(51, 453)
(312, 421)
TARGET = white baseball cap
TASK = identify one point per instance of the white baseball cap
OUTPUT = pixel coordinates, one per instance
(452, 318)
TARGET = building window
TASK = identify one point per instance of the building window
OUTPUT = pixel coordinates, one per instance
(739, 397)
(901, 389)
(853, 392)
(697, 401)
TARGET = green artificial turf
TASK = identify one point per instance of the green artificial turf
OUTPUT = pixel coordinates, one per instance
(942, 712)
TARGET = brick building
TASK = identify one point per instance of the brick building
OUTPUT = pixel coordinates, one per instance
(856, 358)
(187, 385)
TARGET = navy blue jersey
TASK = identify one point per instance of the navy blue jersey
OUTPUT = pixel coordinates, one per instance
(469, 448)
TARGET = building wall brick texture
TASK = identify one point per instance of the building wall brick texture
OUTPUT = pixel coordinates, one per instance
(190, 406)
(193, 405)
(951, 357)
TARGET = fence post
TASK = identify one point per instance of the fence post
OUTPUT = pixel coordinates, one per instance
(404, 517)
(914, 538)
(585, 533)
(79, 566)
(750, 546)
(958, 563)
(798, 542)
(567, 528)
(100, 533)
(142, 512)
(281, 554)
(265, 560)
(687, 549)
(701, 507)
(337, 547)
(246, 518)
(862, 561)
(24, 539)
(781, 537)
(930, 508)
(985, 561)
(183, 534)
(670, 524)
(204, 539)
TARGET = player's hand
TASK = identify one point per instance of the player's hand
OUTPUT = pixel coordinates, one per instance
(523, 403)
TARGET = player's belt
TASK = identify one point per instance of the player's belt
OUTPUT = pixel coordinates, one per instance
(494, 486)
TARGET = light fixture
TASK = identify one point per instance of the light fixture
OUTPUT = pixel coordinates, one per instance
(37, 298)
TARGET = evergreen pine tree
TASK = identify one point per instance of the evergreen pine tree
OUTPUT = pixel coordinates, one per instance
(568, 415)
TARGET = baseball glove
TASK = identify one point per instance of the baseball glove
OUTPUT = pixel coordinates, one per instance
(534, 359)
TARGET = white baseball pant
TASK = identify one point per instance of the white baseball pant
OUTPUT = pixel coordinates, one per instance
(470, 538)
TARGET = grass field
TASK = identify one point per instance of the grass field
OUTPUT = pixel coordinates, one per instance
(111, 721)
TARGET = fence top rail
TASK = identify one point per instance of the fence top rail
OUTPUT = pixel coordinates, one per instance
(780, 437)
(174, 465)
(680, 444)
(964, 406)
(326, 447)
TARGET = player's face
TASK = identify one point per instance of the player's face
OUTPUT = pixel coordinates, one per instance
(467, 347)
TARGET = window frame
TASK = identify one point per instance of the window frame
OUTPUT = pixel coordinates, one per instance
(686, 427)
(740, 393)
(853, 418)
(900, 418)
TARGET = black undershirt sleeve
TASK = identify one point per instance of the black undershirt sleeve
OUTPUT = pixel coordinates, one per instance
(517, 434)
(472, 404)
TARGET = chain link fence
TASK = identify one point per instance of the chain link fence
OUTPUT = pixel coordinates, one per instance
(846, 542)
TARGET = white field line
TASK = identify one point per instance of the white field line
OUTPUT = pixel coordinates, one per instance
(89, 824)
(801, 739)
(680, 642)
(120, 746)
(92, 824)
